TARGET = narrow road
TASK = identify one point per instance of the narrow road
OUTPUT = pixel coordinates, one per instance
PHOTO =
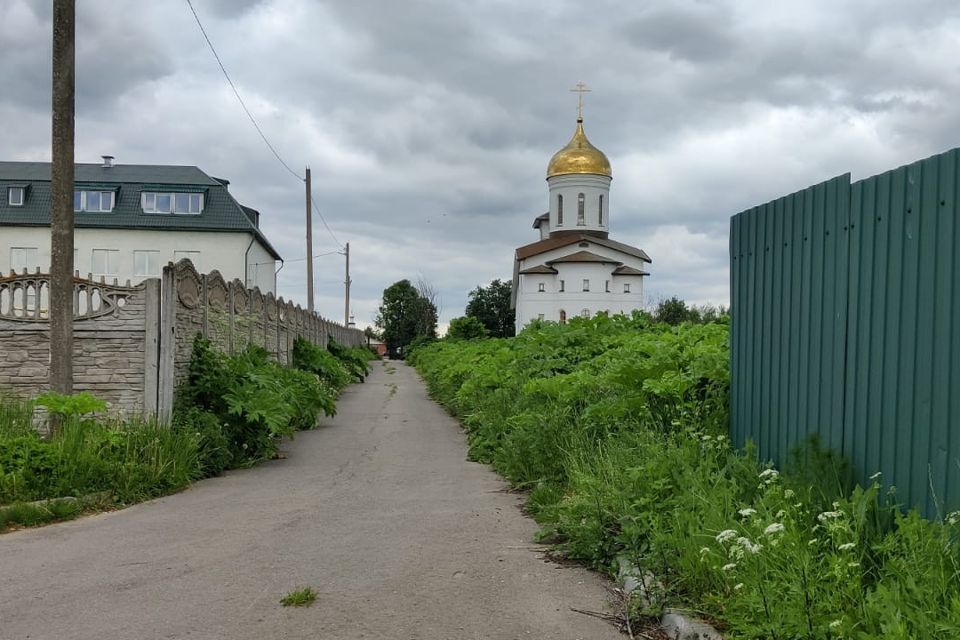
(377, 510)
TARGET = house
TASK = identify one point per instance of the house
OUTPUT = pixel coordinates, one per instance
(575, 268)
(130, 220)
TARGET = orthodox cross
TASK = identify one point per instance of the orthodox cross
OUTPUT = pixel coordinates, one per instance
(580, 89)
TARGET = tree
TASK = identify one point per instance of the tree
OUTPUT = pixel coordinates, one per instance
(466, 328)
(675, 311)
(491, 306)
(404, 315)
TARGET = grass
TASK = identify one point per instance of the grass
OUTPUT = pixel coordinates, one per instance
(302, 597)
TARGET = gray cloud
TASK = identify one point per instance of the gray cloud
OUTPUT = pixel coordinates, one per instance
(428, 124)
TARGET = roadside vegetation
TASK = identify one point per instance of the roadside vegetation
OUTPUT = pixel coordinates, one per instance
(617, 427)
(232, 412)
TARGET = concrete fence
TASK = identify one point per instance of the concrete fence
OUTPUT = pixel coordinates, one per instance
(132, 344)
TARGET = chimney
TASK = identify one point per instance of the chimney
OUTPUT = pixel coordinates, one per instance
(107, 162)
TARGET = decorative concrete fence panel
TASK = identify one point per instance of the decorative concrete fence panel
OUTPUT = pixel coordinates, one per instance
(132, 344)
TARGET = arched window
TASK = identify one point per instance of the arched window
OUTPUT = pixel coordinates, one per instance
(585, 313)
(580, 204)
(563, 317)
(600, 211)
(559, 210)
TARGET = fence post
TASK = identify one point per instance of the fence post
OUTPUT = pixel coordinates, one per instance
(168, 343)
(151, 345)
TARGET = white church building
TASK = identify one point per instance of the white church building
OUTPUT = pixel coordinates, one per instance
(575, 269)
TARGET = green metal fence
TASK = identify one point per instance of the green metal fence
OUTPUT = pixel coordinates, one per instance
(845, 322)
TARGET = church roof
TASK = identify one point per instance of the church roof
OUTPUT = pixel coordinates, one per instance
(555, 242)
(540, 268)
(584, 256)
(579, 156)
(540, 219)
(624, 270)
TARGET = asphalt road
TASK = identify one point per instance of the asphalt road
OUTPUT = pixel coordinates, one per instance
(377, 510)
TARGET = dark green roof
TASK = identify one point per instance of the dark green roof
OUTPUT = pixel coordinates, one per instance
(221, 212)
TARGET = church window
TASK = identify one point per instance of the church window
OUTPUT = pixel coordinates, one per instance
(586, 284)
(541, 287)
(626, 287)
(559, 210)
(580, 216)
(585, 313)
(600, 211)
(563, 317)
(539, 316)
(561, 285)
(606, 286)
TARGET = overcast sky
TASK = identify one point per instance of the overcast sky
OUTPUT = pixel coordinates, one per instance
(428, 124)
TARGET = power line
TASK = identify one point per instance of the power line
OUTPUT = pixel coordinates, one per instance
(257, 126)
(313, 201)
(237, 93)
(319, 255)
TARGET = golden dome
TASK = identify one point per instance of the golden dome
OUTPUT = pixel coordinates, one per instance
(579, 156)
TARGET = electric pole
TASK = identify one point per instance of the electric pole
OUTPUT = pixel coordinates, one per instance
(61, 198)
(346, 284)
(309, 244)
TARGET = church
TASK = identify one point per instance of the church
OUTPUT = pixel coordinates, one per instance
(575, 268)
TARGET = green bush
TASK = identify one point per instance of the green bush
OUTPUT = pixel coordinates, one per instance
(618, 427)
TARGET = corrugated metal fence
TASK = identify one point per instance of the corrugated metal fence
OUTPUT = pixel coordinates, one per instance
(845, 304)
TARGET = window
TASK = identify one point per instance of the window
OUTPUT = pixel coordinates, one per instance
(93, 201)
(539, 316)
(606, 286)
(559, 210)
(580, 204)
(178, 203)
(192, 256)
(626, 287)
(15, 196)
(585, 313)
(104, 262)
(24, 258)
(600, 211)
(541, 287)
(146, 263)
(586, 285)
(563, 317)
(561, 285)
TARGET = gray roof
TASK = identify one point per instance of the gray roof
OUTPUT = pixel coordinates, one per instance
(221, 212)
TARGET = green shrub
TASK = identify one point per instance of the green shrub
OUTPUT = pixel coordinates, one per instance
(619, 429)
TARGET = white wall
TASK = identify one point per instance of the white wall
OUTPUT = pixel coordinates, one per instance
(223, 251)
(531, 303)
(569, 186)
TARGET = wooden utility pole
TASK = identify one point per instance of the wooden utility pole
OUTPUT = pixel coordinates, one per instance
(309, 243)
(346, 284)
(61, 198)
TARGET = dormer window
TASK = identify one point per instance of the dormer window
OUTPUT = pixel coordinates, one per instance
(93, 201)
(175, 203)
(15, 196)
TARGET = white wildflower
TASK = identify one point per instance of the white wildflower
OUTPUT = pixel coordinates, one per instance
(788, 493)
(730, 567)
(726, 536)
(836, 624)
(747, 545)
(847, 546)
(738, 586)
(953, 518)
(772, 529)
(746, 513)
(781, 514)
(769, 475)
(829, 515)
